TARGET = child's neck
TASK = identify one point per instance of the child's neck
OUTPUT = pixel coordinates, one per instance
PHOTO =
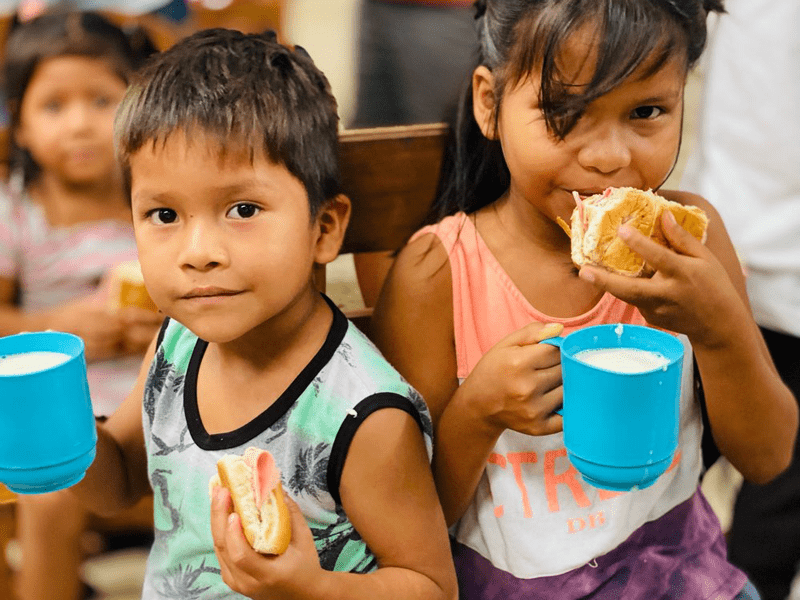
(239, 380)
(67, 204)
(535, 253)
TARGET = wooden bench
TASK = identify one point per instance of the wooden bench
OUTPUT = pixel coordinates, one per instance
(390, 174)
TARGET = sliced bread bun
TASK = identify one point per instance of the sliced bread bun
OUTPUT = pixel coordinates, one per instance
(127, 287)
(596, 219)
(254, 483)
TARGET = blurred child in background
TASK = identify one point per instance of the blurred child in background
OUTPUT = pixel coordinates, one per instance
(64, 222)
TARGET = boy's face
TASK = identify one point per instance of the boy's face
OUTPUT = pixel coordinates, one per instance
(225, 244)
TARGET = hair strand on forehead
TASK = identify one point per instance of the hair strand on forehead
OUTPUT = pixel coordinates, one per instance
(247, 92)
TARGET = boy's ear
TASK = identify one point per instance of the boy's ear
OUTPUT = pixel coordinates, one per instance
(483, 101)
(332, 221)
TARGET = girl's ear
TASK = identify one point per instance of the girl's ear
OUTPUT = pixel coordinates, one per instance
(483, 101)
(332, 222)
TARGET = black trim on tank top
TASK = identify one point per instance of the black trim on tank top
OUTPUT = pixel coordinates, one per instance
(352, 422)
(162, 332)
(248, 431)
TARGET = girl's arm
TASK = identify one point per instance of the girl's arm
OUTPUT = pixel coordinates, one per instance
(388, 494)
(102, 333)
(117, 478)
(515, 385)
(700, 291)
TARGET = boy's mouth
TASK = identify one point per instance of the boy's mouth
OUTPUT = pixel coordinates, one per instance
(209, 292)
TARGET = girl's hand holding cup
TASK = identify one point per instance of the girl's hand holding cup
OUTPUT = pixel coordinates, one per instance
(517, 383)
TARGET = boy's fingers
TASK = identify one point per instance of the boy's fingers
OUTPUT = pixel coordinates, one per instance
(221, 508)
(301, 532)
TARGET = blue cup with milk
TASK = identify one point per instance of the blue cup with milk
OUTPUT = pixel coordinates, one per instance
(47, 427)
(621, 409)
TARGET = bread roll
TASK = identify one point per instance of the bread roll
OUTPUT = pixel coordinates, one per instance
(127, 287)
(596, 219)
(254, 482)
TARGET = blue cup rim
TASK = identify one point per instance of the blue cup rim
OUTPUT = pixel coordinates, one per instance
(674, 352)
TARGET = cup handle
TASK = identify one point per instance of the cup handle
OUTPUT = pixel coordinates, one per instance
(555, 341)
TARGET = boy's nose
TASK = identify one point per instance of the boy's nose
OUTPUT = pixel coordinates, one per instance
(202, 247)
(605, 150)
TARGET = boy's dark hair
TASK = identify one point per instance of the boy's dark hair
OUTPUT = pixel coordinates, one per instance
(63, 33)
(521, 37)
(247, 91)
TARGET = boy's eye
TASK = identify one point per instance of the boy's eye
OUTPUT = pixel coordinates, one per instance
(52, 106)
(243, 210)
(646, 112)
(162, 216)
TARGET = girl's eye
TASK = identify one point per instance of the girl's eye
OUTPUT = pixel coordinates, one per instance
(243, 210)
(52, 106)
(102, 102)
(162, 216)
(646, 112)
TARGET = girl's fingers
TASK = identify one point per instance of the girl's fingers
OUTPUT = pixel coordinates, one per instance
(659, 257)
(633, 290)
(678, 238)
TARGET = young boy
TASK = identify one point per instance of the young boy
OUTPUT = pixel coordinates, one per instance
(230, 141)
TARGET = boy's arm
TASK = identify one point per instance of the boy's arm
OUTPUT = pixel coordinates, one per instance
(413, 327)
(117, 478)
(388, 493)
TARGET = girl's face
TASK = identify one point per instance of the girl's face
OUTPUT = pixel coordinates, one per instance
(67, 118)
(628, 137)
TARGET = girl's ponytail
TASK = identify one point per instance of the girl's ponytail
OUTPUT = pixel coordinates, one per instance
(474, 171)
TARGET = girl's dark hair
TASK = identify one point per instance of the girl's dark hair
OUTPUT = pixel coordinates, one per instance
(55, 34)
(248, 92)
(521, 37)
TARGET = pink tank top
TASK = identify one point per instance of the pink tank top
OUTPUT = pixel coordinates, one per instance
(533, 519)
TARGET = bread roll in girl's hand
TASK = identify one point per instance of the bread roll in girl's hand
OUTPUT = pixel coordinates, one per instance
(254, 482)
(596, 219)
(126, 287)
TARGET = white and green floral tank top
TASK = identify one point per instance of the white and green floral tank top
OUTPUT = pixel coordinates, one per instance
(308, 429)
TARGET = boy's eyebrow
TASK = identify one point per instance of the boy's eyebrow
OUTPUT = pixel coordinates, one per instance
(232, 189)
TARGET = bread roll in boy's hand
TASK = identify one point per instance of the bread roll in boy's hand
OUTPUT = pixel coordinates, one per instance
(254, 482)
(596, 219)
(126, 287)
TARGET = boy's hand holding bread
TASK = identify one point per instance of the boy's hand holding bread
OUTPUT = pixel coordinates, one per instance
(262, 540)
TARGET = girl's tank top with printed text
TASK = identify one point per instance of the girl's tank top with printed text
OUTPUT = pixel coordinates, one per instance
(534, 528)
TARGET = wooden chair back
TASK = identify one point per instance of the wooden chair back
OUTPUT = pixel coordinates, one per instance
(390, 174)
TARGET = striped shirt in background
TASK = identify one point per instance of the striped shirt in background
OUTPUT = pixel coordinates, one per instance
(57, 265)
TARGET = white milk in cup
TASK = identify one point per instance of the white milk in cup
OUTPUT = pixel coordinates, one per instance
(623, 360)
(31, 362)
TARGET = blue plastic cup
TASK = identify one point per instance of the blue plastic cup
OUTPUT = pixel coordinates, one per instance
(47, 427)
(620, 429)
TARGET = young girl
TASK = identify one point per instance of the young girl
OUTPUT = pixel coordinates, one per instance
(574, 95)
(64, 221)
